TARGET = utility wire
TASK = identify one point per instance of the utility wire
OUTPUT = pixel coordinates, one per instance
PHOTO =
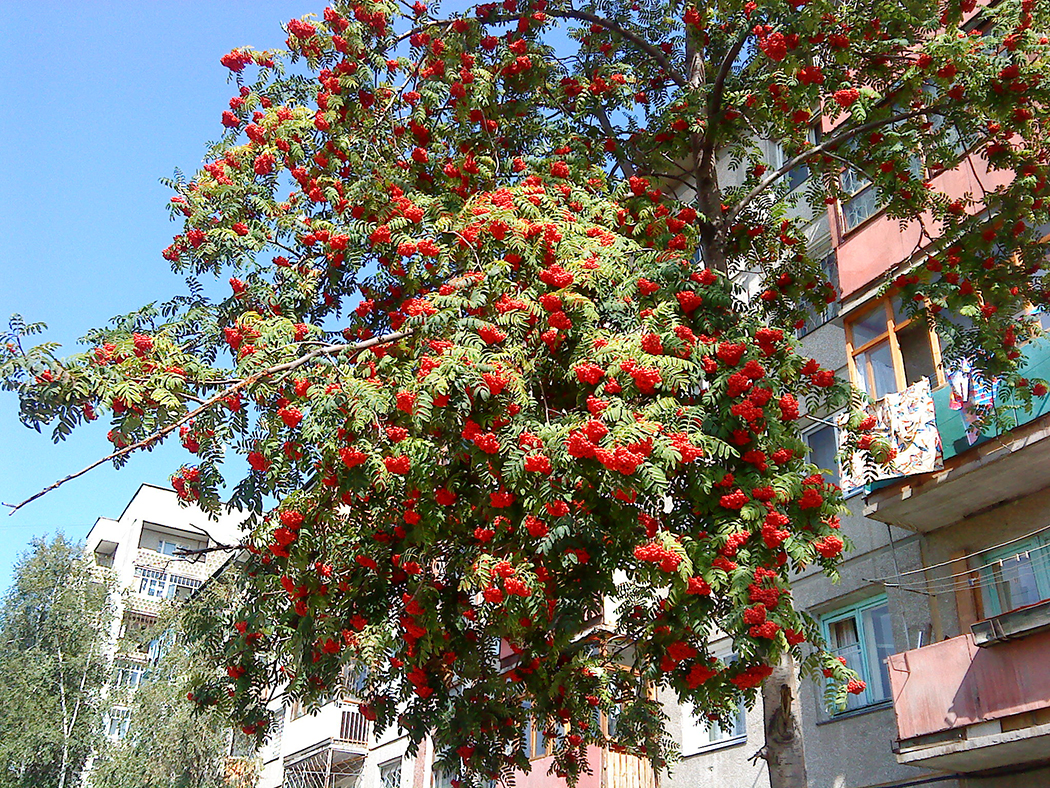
(962, 557)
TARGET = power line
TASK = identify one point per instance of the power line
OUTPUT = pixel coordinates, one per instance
(962, 557)
(936, 589)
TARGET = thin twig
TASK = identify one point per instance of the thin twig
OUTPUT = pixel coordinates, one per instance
(654, 52)
(248, 381)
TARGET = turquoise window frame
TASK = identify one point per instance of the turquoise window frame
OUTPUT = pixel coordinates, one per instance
(1038, 550)
(856, 612)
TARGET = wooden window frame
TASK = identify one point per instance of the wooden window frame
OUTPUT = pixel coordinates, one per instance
(893, 327)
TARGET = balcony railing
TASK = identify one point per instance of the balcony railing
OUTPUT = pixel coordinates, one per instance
(965, 708)
(995, 469)
(353, 727)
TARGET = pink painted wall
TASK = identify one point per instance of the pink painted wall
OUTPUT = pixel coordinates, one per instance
(954, 683)
(538, 777)
(877, 246)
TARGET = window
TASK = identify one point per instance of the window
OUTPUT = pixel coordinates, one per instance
(390, 774)
(823, 442)
(888, 351)
(442, 778)
(537, 745)
(118, 721)
(1016, 575)
(861, 635)
(158, 583)
(815, 319)
(700, 734)
(242, 745)
(798, 175)
(272, 748)
(860, 199)
(170, 548)
(129, 675)
(353, 679)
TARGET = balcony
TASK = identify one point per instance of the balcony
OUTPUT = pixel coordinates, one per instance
(968, 708)
(996, 469)
(326, 750)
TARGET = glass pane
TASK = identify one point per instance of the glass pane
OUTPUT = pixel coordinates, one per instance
(797, 176)
(875, 371)
(390, 775)
(1015, 579)
(845, 642)
(914, 341)
(870, 325)
(843, 634)
(859, 208)
(823, 446)
(879, 640)
(853, 181)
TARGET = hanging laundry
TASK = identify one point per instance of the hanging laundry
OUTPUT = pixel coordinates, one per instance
(911, 419)
(907, 421)
(973, 396)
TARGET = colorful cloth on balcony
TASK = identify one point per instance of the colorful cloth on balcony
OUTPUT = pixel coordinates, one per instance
(973, 396)
(912, 423)
(907, 420)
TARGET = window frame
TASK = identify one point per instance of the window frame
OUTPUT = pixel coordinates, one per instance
(817, 426)
(120, 716)
(890, 336)
(780, 157)
(388, 767)
(856, 612)
(831, 310)
(166, 585)
(1037, 543)
(704, 727)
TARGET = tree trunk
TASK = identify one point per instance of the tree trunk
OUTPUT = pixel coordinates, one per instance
(783, 751)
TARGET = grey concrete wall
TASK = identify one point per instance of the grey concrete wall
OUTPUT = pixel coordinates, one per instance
(724, 764)
(973, 535)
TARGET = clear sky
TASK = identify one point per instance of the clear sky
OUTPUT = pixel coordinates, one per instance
(99, 101)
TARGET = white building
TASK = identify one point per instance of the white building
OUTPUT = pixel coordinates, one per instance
(143, 549)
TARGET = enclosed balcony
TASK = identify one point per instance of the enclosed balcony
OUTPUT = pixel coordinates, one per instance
(326, 750)
(978, 701)
(994, 470)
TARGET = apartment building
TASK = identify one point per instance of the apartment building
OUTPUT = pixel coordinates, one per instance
(144, 548)
(336, 747)
(944, 603)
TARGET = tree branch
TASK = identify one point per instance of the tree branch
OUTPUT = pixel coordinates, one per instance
(158, 435)
(714, 103)
(816, 150)
(654, 52)
(626, 165)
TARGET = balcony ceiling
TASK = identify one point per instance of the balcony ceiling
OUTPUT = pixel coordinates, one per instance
(992, 473)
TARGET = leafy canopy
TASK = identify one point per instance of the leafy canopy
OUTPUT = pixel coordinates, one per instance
(484, 355)
(54, 626)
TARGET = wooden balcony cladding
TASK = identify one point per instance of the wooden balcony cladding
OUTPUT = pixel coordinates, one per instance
(626, 771)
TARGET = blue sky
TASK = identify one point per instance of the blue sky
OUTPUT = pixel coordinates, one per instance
(100, 100)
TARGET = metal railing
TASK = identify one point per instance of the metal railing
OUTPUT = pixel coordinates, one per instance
(353, 727)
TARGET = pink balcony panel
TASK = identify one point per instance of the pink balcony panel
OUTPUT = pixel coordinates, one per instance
(953, 684)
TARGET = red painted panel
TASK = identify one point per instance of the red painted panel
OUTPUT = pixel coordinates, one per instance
(954, 683)
(879, 245)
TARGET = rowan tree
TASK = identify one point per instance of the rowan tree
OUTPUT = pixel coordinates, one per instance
(510, 335)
